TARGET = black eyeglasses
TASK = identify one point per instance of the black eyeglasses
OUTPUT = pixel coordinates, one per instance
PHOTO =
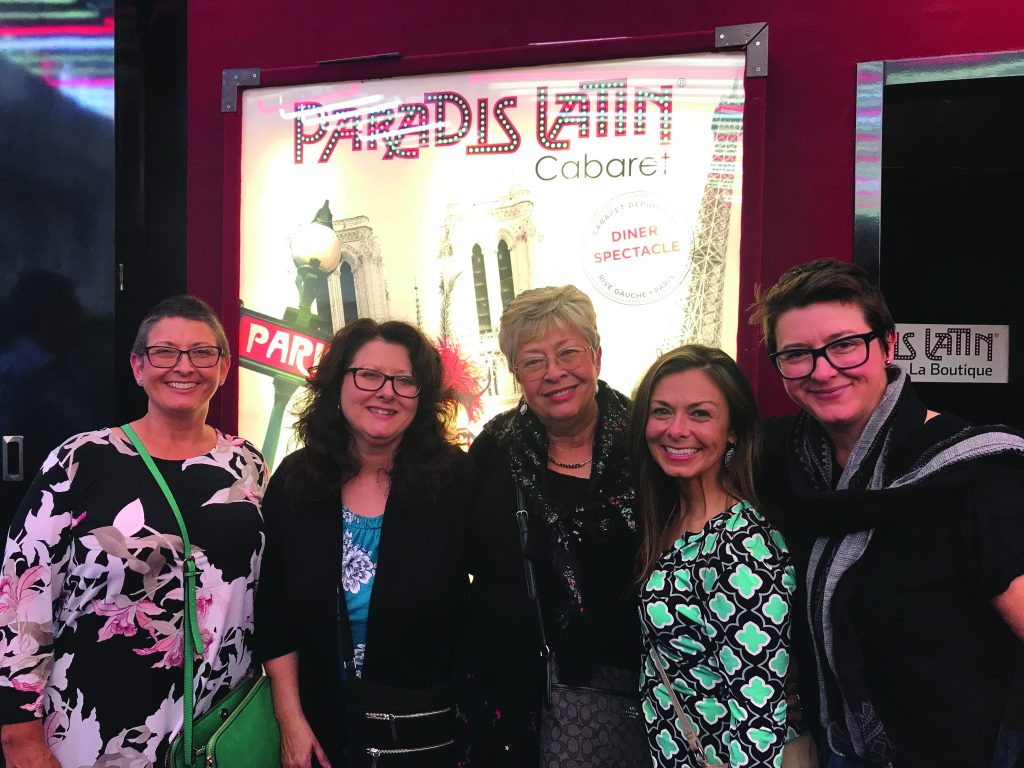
(847, 352)
(168, 357)
(371, 380)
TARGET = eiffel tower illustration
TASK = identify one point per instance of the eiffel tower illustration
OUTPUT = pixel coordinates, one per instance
(704, 303)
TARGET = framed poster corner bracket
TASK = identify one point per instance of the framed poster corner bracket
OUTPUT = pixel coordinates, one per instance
(753, 39)
(233, 79)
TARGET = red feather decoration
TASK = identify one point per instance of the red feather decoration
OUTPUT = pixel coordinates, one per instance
(463, 376)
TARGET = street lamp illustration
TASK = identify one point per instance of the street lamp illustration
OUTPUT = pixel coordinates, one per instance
(316, 252)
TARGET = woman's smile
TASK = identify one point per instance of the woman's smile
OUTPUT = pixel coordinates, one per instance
(560, 395)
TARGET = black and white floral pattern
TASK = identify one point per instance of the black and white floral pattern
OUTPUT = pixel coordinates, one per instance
(91, 597)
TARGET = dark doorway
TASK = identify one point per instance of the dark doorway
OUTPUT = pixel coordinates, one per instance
(951, 207)
(92, 120)
(56, 236)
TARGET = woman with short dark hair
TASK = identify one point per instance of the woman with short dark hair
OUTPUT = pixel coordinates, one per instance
(907, 530)
(92, 616)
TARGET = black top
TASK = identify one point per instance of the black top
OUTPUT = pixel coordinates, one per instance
(418, 599)
(503, 641)
(937, 658)
(606, 568)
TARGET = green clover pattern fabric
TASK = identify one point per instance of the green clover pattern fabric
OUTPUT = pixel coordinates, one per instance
(717, 606)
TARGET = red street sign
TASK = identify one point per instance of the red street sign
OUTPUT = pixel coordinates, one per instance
(271, 347)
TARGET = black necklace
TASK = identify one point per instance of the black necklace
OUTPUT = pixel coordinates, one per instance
(578, 465)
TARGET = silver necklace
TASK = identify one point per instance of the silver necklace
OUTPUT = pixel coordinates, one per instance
(578, 465)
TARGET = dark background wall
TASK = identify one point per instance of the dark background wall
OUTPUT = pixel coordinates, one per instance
(151, 103)
(813, 51)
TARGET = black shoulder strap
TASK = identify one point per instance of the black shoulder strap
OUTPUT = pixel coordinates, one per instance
(346, 646)
(523, 523)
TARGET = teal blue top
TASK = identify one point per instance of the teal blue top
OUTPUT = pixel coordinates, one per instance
(358, 568)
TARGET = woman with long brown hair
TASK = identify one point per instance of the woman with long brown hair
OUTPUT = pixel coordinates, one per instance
(364, 578)
(716, 580)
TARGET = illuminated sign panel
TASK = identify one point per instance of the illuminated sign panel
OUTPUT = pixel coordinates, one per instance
(962, 353)
(436, 199)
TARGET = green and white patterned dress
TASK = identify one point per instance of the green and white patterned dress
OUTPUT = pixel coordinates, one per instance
(718, 607)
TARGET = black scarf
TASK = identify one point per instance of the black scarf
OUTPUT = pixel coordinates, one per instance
(556, 531)
(892, 464)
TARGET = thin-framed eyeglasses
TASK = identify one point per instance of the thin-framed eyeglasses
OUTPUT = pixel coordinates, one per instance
(567, 358)
(168, 357)
(372, 380)
(846, 352)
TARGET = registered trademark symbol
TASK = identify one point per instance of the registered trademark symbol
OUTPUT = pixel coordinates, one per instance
(681, 82)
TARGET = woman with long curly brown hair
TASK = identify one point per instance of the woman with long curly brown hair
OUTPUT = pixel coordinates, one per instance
(367, 521)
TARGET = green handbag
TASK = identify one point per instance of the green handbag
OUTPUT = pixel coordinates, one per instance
(240, 730)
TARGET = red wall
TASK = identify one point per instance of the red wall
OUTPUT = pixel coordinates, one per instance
(813, 51)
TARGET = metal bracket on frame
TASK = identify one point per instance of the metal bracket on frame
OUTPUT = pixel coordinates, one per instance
(233, 79)
(753, 39)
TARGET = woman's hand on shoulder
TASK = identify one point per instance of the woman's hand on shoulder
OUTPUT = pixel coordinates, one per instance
(24, 746)
(299, 745)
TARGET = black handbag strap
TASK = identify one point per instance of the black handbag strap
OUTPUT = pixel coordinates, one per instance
(346, 645)
(523, 523)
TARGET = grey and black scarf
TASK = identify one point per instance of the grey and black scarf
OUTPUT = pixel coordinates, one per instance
(886, 469)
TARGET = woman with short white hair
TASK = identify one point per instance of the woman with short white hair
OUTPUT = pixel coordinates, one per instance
(563, 451)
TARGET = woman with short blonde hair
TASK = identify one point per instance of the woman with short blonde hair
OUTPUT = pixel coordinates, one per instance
(534, 311)
(562, 451)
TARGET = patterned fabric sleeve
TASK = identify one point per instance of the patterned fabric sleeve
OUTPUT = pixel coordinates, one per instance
(33, 573)
(749, 601)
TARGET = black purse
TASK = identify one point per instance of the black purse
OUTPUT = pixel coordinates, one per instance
(390, 727)
(593, 726)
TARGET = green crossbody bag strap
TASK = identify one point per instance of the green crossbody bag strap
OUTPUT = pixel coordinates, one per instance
(193, 638)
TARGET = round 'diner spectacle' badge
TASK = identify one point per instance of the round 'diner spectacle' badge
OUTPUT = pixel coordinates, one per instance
(636, 248)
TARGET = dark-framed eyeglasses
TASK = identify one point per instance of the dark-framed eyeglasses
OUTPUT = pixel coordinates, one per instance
(567, 358)
(168, 357)
(372, 380)
(847, 352)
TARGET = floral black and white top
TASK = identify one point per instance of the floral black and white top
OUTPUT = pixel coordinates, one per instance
(718, 607)
(91, 595)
